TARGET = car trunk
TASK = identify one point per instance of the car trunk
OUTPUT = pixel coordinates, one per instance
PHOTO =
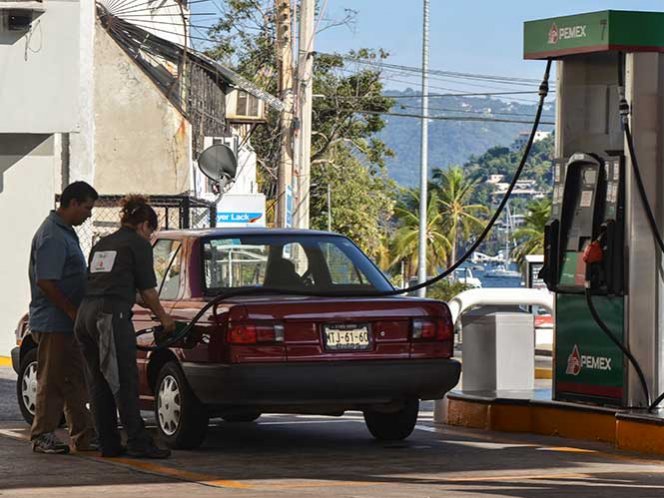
(334, 329)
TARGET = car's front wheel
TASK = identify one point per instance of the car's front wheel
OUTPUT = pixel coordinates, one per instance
(182, 419)
(26, 386)
(393, 425)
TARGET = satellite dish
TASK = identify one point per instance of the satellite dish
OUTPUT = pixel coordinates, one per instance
(218, 163)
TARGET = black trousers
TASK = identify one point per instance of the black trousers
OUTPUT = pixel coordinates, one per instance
(97, 318)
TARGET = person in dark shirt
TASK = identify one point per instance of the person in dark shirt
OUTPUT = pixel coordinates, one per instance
(120, 265)
(57, 283)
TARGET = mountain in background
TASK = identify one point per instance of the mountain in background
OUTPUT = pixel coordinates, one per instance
(453, 142)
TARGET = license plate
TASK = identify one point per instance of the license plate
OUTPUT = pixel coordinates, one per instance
(346, 337)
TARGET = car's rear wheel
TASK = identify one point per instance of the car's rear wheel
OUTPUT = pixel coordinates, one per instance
(393, 425)
(182, 419)
(241, 417)
(26, 386)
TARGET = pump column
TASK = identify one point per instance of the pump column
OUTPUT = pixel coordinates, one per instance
(645, 302)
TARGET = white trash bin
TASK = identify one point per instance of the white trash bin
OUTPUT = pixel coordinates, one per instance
(498, 351)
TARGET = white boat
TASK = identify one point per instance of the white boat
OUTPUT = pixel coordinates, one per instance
(501, 271)
(465, 276)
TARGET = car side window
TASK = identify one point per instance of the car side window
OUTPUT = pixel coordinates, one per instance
(342, 270)
(167, 267)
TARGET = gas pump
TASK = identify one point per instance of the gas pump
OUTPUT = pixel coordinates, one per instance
(584, 251)
(601, 260)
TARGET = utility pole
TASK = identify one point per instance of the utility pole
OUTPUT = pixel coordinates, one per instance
(424, 154)
(284, 47)
(305, 92)
(329, 208)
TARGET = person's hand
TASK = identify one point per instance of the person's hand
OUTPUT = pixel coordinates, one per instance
(168, 323)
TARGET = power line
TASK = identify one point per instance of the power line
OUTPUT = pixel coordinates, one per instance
(473, 76)
(448, 118)
(467, 111)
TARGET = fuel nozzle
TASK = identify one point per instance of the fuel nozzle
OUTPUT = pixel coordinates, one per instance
(593, 257)
(593, 253)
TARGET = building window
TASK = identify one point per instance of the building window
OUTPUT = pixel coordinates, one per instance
(247, 105)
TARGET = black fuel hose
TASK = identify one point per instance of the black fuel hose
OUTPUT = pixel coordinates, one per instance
(171, 341)
(616, 341)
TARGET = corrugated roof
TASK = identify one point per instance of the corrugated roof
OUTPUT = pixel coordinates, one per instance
(136, 39)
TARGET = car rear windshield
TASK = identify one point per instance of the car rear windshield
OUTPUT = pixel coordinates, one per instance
(304, 262)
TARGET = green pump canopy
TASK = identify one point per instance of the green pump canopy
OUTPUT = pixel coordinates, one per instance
(608, 30)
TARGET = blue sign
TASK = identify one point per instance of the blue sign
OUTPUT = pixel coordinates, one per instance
(225, 217)
(289, 206)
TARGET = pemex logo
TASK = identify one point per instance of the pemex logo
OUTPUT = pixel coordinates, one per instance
(553, 34)
(574, 362)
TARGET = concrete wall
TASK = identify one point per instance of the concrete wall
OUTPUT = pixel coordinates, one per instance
(142, 143)
(39, 75)
(30, 178)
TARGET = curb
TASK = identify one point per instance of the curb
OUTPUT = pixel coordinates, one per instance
(626, 430)
(543, 373)
(5, 361)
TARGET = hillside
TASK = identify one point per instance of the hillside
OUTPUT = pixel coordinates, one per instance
(451, 142)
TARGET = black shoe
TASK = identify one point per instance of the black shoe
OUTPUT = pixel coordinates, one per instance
(114, 452)
(148, 451)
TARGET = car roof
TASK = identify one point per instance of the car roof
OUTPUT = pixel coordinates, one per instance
(239, 232)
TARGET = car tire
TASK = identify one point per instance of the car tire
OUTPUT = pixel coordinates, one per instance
(26, 385)
(393, 425)
(181, 418)
(241, 417)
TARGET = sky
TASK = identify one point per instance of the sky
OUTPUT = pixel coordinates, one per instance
(471, 36)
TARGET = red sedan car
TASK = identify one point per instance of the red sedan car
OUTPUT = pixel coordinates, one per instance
(276, 353)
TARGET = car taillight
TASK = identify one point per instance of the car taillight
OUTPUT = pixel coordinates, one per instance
(254, 333)
(438, 329)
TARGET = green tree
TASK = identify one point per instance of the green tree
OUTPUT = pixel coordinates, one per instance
(461, 218)
(345, 150)
(531, 235)
(362, 201)
(405, 244)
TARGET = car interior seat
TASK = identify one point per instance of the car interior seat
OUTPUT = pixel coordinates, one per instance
(281, 274)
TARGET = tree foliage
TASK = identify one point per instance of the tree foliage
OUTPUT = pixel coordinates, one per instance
(345, 151)
(530, 237)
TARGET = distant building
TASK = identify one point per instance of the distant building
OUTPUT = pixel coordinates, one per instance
(493, 179)
(521, 140)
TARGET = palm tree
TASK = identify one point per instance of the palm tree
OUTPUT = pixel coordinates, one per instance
(405, 243)
(531, 235)
(461, 219)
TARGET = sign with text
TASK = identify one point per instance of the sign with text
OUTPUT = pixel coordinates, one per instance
(241, 210)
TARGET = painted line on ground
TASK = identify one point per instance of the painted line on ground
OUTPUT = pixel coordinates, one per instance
(178, 474)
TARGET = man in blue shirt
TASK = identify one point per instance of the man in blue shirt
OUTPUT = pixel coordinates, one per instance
(57, 283)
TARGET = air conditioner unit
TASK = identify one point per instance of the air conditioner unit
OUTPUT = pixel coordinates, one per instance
(17, 15)
(242, 107)
(232, 142)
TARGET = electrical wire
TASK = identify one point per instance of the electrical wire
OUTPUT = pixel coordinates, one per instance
(187, 329)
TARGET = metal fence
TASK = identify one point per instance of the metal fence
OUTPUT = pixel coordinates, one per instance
(174, 212)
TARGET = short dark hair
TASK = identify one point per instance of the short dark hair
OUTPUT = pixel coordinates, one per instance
(80, 191)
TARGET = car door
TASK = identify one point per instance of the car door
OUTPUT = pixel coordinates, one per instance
(167, 266)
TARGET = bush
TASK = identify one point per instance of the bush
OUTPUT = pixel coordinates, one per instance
(446, 290)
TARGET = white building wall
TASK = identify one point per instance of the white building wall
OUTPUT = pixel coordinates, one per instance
(39, 75)
(30, 178)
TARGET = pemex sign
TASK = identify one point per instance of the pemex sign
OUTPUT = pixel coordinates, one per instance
(594, 32)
